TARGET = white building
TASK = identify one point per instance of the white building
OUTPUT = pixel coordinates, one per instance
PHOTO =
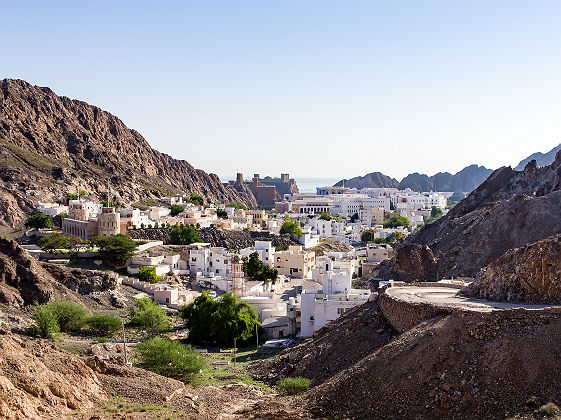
(52, 209)
(335, 298)
(264, 249)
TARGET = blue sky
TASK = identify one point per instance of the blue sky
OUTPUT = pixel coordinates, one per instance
(315, 88)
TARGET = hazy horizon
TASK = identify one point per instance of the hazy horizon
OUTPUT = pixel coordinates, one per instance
(316, 89)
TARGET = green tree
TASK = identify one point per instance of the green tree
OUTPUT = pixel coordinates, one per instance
(256, 270)
(236, 206)
(169, 358)
(196, 199)
(117, 249)
(367, 235)
(75, 243)
(436, 212)
(148, 274)
(396, 221)
(71, 196)
(222, 214)
(418, 227)
(53, 242)
(176, 209)
(354, 217)
(69, 316)
(82, 193)
(325, 216)
(46, 325)
(39, 221)
(146, 314)
(222, 321)
(104, 325)
(395, 237)
(291, 227)
(183, 235)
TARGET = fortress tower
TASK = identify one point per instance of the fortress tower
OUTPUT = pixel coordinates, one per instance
(108, 222)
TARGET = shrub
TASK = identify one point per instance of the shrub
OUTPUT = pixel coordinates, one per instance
(54, 241)
(293, 386)
(236, 206)
(39, 221)
(183, 235)
(196, 199)
(548, 410)
(70, 316)
(396, 221)
(176, 209)
(46, 325)
(146, 314)
(117, 249)
(169, 358)
(103, 325)
(291, 227)
(148, 274)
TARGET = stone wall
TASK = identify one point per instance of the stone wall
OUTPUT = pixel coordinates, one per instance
(405, 315)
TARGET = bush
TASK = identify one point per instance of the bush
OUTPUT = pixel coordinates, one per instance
(223, 321)
(236, 206)
(46, 325)
(176, 209)
(396, 221)
(183, 235)
(148, 274)
(103, 325)
(146, 314)
(291, 227)
(39, 221)
(169, 358)
(70, 316)
(117, 249)
(222, 214)
(54, 241)
(293, 386)
(548, 410)
(196, 199)
(325, 216)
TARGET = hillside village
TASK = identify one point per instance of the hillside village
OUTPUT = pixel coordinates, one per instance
(307, 291)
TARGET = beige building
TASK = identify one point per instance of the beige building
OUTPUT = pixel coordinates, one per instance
(371, 216)
(259, 217)
(80, 224)
(295, 262)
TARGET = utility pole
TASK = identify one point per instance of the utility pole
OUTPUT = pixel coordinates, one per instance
(256, 338)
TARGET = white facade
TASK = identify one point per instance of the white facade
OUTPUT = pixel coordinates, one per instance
(264, 249)
(51, 209)
(349, 204)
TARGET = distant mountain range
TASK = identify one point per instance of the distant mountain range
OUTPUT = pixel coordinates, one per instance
(465, 180)
(542, 159)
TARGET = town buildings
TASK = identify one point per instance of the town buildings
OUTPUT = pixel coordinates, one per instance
(295, 262)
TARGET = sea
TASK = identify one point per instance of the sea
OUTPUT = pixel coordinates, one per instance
(305, 185)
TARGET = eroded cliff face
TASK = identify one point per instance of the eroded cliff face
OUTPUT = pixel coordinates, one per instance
(50, 145)
(530, 274)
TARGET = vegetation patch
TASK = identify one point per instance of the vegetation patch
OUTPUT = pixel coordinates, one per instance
(294, 386)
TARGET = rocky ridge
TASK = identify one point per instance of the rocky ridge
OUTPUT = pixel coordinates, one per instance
(529, 274)
(51, 145)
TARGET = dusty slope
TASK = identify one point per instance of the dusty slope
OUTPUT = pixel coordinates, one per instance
(51, 144)
(530, 274)
(334, 348)
(459, 366)
(38, 380)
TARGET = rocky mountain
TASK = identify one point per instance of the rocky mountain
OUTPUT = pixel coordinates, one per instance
(542, 159)
(529, 274)
(465, 180)
(371, 180)
(51, 145)
(509, 210)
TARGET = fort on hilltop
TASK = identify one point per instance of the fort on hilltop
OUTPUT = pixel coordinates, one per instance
(266, 190)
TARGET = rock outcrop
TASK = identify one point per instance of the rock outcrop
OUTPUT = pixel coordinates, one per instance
(530, 274)
(39, 380)
(231, 239)
(23, 280)
(412, 263)
(542, 159)
(51, 145)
